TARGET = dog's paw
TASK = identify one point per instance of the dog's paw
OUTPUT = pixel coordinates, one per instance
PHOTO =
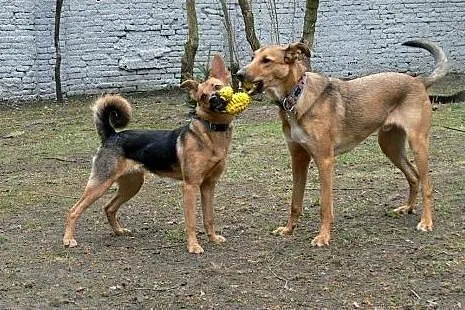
(425, 225)
(123, 231)
(283, 231)
(321, 240)
(69, 242)
(217, 239)
(194, 248)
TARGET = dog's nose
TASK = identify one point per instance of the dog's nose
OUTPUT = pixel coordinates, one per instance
(241, 75)
(217, 104)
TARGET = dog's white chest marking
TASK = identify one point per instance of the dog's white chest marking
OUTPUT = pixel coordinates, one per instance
(298, 135)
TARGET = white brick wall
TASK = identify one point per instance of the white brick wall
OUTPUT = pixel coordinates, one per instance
(356, 37)
(137, 45)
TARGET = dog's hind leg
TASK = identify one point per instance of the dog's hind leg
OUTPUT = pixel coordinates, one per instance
(128, 186)
(107, 166)
(93, 191)
(300, 162)
(392, 143)
(420, 148)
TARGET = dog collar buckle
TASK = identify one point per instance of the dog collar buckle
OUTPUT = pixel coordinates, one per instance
(218, 127)
(288, 105)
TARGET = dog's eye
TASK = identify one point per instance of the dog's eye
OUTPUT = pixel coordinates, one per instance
(218, 87)
(266, 60)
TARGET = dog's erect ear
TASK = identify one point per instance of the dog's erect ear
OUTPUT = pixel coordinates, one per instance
(219, 70)
(294, 51)
(192, 86)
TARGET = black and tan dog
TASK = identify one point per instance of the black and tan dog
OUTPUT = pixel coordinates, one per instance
(323, 117)
(195, 154)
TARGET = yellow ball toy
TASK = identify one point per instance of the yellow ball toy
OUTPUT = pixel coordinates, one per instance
(226, 92)
(237, 102)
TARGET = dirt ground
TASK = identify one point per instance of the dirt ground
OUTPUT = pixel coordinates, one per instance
(374, 260)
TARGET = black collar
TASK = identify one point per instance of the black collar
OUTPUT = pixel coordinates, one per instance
(213, 126)
(288, 102)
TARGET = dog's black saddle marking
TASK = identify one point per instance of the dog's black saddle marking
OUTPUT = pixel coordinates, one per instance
(155, 149)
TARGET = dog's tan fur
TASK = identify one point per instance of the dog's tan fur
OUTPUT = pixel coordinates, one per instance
(332, 116)
(201, 159)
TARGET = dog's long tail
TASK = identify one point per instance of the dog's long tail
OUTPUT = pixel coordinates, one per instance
(440, 58)
(111, 112)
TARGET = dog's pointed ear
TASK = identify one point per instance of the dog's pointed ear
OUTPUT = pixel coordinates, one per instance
(219, 70)
(294, 51)
(192, 86)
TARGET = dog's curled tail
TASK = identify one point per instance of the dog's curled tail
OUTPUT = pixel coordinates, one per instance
(111, 112)
(442, 64)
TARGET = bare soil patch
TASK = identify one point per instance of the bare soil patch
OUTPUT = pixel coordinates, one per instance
(374, 261)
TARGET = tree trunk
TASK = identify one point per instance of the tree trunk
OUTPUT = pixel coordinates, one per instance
(192, 43)
(58, 91)
(247, 14)
(308, 33)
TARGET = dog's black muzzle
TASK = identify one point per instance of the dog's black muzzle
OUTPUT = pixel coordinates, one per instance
(217, 104)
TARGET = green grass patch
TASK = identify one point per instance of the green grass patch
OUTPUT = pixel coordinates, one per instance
(3, 239)
(451, 115)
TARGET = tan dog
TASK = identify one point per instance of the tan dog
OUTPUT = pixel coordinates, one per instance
(195, 153)
(323, 117)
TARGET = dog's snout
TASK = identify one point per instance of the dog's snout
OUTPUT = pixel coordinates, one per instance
(241, 75)
(217, 104)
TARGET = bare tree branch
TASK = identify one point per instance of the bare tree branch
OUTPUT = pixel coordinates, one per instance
(452, 128)
(233, 63)
(247, 14)
(274, 31)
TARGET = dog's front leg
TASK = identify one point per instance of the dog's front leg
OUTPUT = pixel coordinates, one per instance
(300, 161)
(207, 190)
(325, 165)
(190, 197)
